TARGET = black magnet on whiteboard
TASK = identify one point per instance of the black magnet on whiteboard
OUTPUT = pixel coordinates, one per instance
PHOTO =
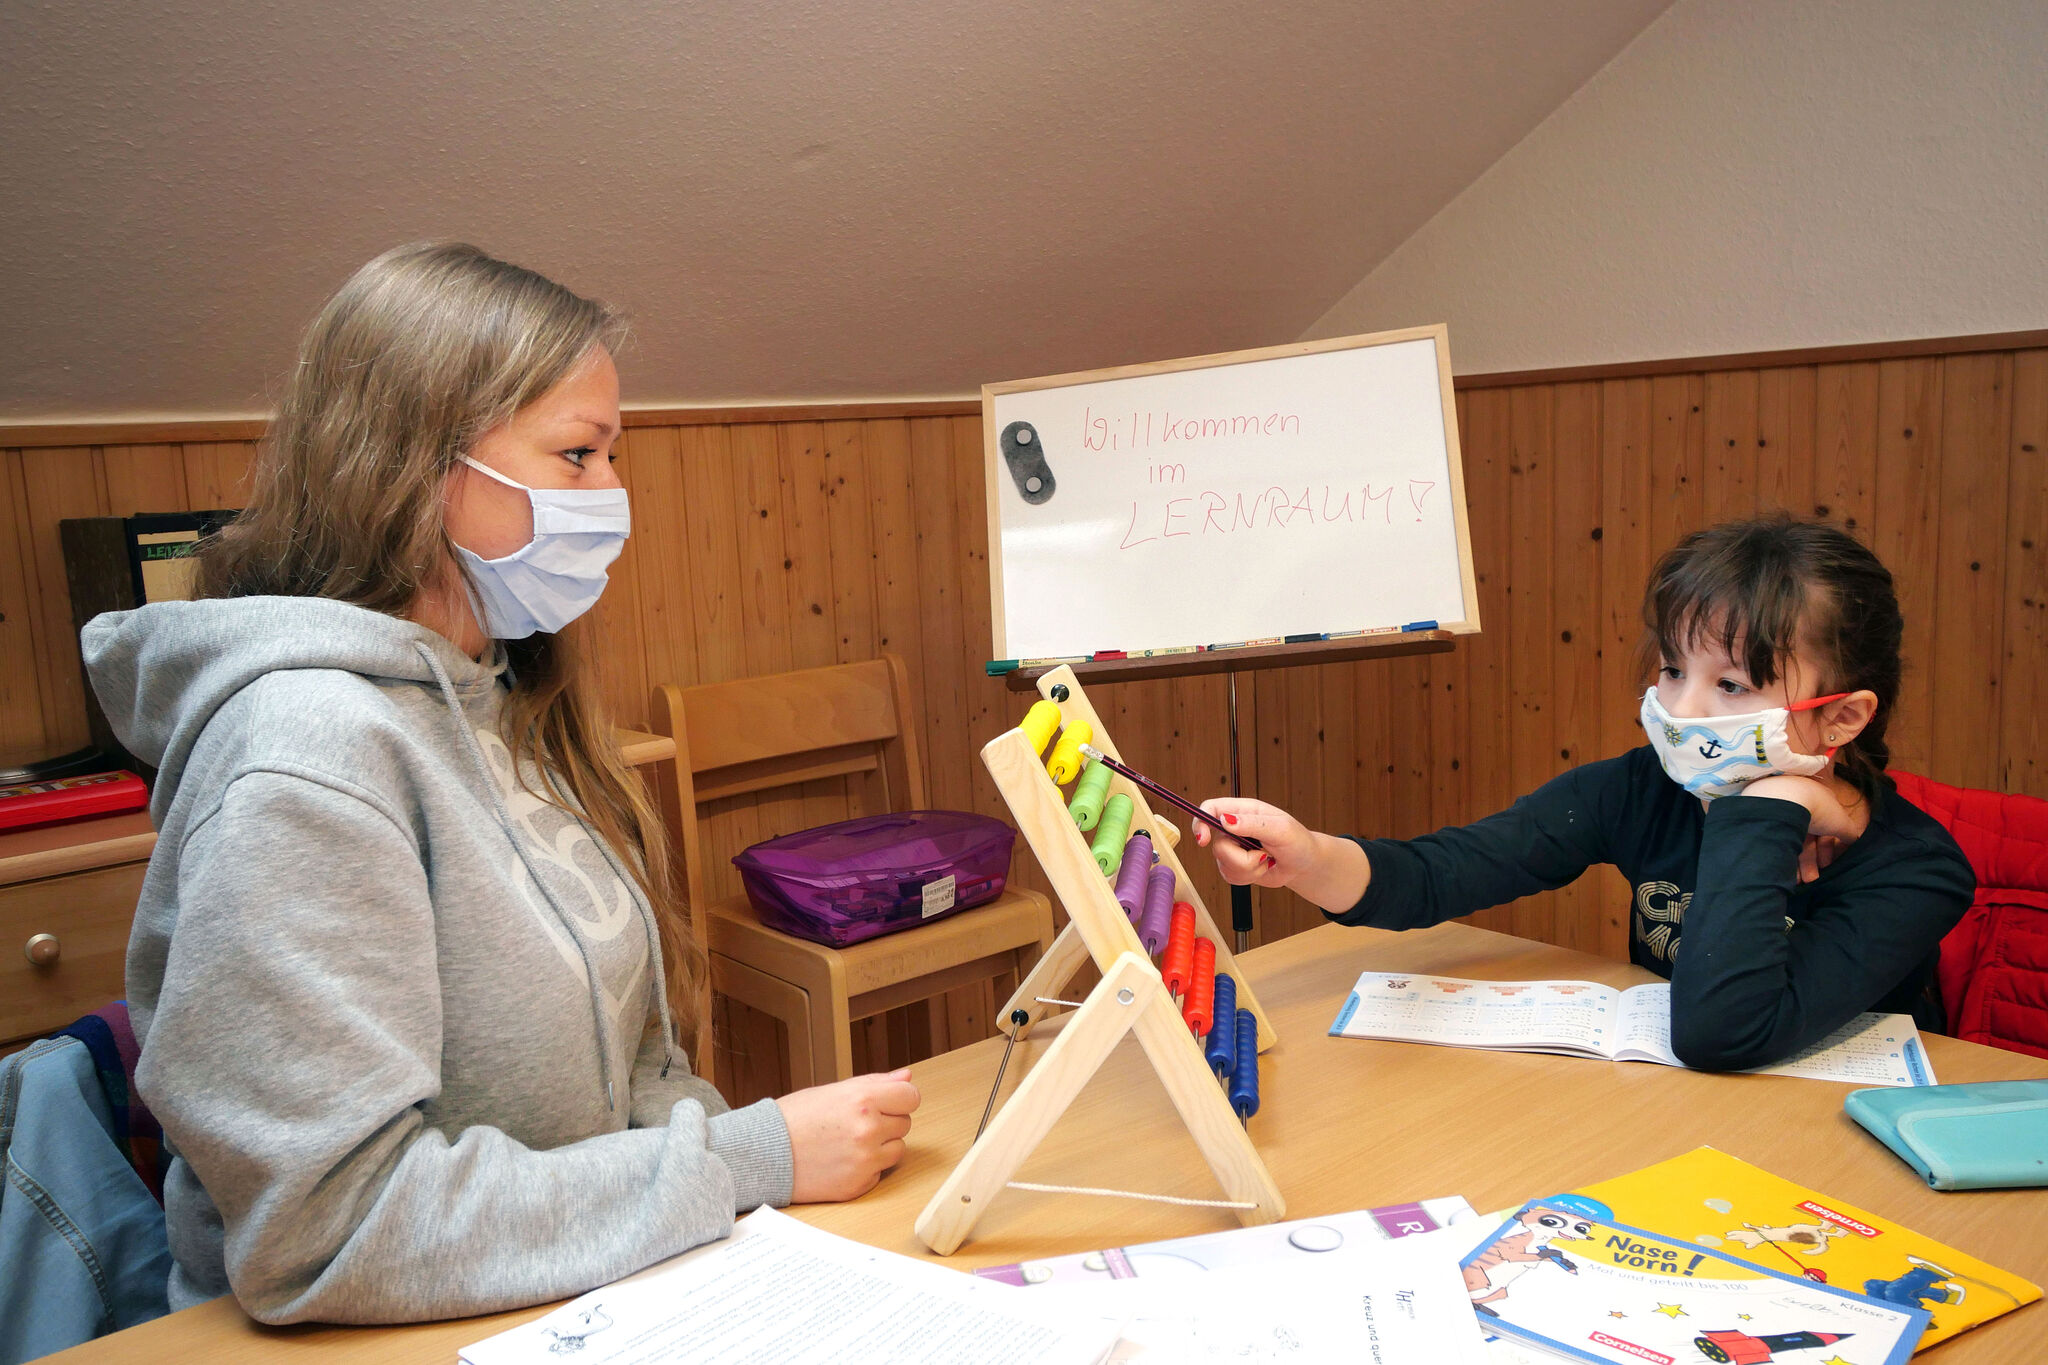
(1024, 453)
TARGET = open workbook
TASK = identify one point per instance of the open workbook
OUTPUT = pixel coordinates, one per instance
(1586, 1019)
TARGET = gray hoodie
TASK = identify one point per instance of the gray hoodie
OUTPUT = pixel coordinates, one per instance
(402, 1020)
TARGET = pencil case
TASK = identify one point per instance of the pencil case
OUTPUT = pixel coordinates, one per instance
(1985, 1136)
(841, 883)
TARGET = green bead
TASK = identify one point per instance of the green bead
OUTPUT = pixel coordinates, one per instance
(1110, 833)
(1086, 807)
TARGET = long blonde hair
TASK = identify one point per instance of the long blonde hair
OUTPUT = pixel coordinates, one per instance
(424, 350)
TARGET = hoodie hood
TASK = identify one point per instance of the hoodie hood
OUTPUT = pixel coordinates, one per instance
(163, 670)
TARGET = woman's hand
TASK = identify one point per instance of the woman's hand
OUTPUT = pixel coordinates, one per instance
(1327, 871)
(844, 1135)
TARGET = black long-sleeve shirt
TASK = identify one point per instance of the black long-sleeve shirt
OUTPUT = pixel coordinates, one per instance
(1771, 964)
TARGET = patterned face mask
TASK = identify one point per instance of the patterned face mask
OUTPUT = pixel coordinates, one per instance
(1714, 756)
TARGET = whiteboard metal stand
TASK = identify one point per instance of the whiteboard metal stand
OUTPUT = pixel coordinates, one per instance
(1240, 896)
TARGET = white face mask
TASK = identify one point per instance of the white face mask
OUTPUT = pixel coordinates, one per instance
(1714, 756)
(559, 574)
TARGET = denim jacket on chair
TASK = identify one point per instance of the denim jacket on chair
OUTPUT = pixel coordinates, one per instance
(82, 1245)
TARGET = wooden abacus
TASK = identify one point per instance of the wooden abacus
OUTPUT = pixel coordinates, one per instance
(1131, 997)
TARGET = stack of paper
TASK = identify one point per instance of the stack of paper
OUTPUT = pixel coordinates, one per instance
(778, 1290)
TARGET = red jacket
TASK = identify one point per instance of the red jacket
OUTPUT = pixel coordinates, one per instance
(1994, 964)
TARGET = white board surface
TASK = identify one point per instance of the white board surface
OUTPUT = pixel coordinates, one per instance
(1308, 489)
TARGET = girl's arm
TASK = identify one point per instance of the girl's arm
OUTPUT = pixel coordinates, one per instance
(1747, 987)
(1543, 841)
(295, 1040)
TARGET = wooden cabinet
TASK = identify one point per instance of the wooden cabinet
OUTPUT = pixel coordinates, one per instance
(67, 899)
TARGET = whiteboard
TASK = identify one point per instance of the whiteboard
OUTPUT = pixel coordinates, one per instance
(1310, 489)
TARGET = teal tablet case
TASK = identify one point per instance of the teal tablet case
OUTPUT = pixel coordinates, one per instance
(1987, 1136)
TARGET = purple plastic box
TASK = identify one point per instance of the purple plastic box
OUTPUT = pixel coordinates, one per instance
(839, 884)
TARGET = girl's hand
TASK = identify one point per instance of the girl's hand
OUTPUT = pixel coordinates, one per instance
(1326, 871)
(1833, 823)
(1830, 815)
(843, 1136)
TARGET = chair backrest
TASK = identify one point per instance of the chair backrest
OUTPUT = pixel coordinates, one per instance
(849, 721)
(1994, 963)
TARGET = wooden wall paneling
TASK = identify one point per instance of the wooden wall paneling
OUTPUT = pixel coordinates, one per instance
(667, 626)
(142, 479)
(1532, 739)
(611, 636)
(1968, 644)
(1338, 756)
(892, 513)
(800, 463)
(711, 486)
(58, 482)
(2023, 693)
(1410, 743)
(1487, 441)
(1845, 446)
(1732, 440)
(1576, 700)
(1300, 754)
(1450, 715)
(1677, 460)
(1785, 439)
(942, 675)
(1906, 536)
(1626, 421)
(846, 492)
(24, 735)
(217, 473)
(800, 474)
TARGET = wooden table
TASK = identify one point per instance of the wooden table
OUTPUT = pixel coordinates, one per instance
(1345, 1125)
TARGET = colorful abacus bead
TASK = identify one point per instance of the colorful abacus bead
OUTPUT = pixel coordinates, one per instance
(1065, 763)
(1198, 1008)
(1108, 847)
(1222, 1050)
(1244, 1081)
(1039, 724)
(1157, 922)
(1178, 966)
(1093, 790)
(1132, 874)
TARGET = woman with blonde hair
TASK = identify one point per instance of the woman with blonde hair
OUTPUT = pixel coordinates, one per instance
(398, 966)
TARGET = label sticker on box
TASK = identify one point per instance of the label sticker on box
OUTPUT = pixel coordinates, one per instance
(938, 895)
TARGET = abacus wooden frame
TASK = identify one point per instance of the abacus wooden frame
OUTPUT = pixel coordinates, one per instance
(1131, 997)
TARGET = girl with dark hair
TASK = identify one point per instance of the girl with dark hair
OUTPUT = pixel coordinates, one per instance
(1756, 827)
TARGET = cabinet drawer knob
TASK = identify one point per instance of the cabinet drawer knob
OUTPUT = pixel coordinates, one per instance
(43, 949)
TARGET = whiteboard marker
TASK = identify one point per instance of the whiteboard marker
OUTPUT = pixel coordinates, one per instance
(1249, 644)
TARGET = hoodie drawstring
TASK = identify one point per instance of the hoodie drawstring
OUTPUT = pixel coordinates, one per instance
(491, 784)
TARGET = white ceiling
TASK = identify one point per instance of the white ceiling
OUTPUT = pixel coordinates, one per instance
(793, 200)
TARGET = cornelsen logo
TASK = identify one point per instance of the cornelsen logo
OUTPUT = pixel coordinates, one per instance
(1630, 1348)
(1823, 1211)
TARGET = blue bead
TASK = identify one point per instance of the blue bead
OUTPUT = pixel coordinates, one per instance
(1244, 1081)
(1223, 1041)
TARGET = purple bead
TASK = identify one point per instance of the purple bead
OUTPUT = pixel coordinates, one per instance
(1157, 922)
(1131, 875)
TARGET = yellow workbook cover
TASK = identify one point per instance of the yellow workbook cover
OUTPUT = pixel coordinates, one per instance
(1715, 1200)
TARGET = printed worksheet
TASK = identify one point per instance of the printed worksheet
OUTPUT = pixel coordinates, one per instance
(1391, 1304)
(1586, 1019)
(780, 1291)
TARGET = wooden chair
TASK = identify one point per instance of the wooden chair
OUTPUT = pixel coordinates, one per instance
(853, 722)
